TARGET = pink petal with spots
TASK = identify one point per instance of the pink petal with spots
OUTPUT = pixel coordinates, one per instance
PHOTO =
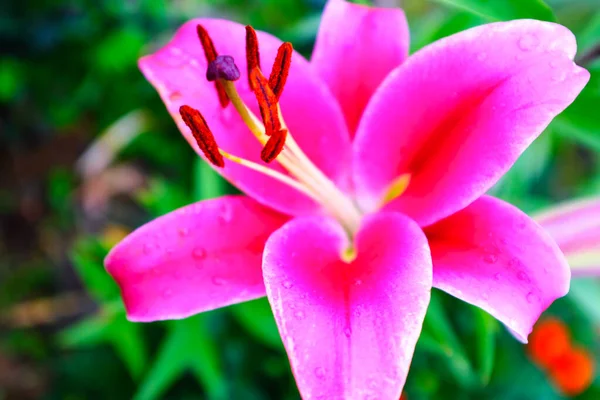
(349, 329)
(198, 258)
(494, 256)
(458, 113)
(178, 70)
(356, 47)
(575, 226)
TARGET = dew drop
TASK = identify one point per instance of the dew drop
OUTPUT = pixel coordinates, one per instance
(490, 258)
(320, 372)
(299, 314)
(287, 284)
(183, 232)
(559, 77)
(347, 332)
(358, 282)
(199, 253)
(532, 298)
(522, 276)
(226, 214)
(217, 280)
(528, 42)
(175, 96)
(147, 248)
(497, 276)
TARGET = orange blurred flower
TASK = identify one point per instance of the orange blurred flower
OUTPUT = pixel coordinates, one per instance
(569, 367)
(548, 341)
(573, 371)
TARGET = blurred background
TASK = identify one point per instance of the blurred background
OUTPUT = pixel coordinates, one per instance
(88, 153)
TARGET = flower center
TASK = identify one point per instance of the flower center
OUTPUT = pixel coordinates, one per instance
(271, 130)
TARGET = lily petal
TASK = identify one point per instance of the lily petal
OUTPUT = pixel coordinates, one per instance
(178, 71)
(494, 256)
(458, 113)
(201, 257)
(356, 48)
(575, 226)
(349, 329)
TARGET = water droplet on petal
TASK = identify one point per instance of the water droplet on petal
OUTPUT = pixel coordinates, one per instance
(147, 248)
(225, 214)
(559, 76)
(490, 258)
(497, 276)
(358, 282)
(532, 298)
(528, 42)
(217, 280)
(287, 284)
(299, 314)
(522, 276)
(199, 253)
(183, 232)
(347, 332)
(320, 372)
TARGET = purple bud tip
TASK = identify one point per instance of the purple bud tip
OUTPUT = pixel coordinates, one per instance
(223, 67)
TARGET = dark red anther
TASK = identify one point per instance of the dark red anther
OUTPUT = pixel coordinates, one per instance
(204, 137)
(211, 55)
(223, 67)
(207, 44)
(267, 102)
(281, 68)
(252, 52)
(274, 146)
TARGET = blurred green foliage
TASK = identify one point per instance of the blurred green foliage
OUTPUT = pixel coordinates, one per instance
(68, 72)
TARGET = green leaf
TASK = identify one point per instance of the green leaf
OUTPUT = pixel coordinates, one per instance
(486, 329)
(188, 345)
(438, 337)
(504, 10)
(579, 121)
(585, 294)
(110, 326)
(87, 256)
(257, 318)
(208, 184)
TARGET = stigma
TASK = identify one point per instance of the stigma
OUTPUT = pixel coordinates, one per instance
(270, 129)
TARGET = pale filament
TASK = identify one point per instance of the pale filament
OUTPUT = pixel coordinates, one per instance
(311, 181)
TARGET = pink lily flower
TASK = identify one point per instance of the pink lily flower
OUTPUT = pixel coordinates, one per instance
(575, 226)
(375, 194)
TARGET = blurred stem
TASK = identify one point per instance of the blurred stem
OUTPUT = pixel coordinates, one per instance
(589, 56)
(208, 184)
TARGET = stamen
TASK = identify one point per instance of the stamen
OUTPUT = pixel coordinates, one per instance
(281, 68)
(207, 44)
(223, 67)
(267, 102)
(252, 53)
(211, 55)
(204, 137)
(273, 174)
(274, 146)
